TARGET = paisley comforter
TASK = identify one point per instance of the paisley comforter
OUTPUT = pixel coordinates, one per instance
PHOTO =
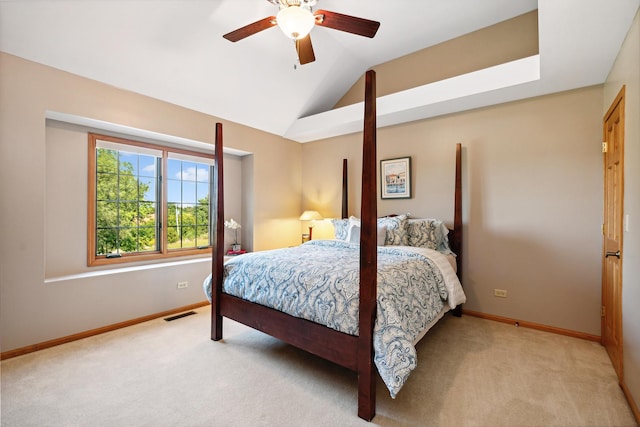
(319, 281)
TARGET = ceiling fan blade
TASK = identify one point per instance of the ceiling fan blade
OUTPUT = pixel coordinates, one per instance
(349, 24)
(305, 50)
(251, 29)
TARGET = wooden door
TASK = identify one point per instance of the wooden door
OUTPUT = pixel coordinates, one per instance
(613, 148)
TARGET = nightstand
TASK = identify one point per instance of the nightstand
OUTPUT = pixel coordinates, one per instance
(228, 257)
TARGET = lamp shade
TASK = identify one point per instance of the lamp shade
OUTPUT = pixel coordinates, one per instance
(310, 216)
(295, 21)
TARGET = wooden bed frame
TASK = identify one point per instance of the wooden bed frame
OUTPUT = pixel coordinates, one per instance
(352, 352)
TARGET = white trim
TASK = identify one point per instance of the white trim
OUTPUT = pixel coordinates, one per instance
(128, 130)
(118, 146)
(429, 100)
(190, 158)
(121, 270)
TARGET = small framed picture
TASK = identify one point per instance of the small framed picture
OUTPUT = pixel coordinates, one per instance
(395, 178)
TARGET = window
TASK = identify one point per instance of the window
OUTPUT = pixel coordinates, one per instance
(146, 201)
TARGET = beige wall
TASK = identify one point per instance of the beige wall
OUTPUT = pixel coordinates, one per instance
(532, 173)
(44, 296)
(532, 201)
(626, 72)
(506, 41)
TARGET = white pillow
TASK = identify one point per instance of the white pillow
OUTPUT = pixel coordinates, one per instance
(353, 234)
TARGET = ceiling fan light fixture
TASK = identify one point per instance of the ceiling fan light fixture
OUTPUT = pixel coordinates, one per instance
(295, 21)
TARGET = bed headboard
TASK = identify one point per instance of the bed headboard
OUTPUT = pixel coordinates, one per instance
(455, 233)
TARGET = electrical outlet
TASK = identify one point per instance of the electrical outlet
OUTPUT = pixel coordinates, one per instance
(182, 285)
(502, 293)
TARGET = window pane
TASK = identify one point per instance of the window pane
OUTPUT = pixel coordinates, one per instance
(147, 189)
(128, 163)
(107, 161)
(188, 196)
(188, 214)
(202, 192)
(128, 214)
(173, 238)
(127, 188)
(203, 173)
(202, 238)
(126, 201)
(188, 171)
(147, 165)
(147, 239)
(202, 215)
(174, 169)
(147, 215)
(174, 190)
(106, 214)
(173, 214)
(106, 241)
(107, 186)
(128, 240)
(188, 192)
(188, 236)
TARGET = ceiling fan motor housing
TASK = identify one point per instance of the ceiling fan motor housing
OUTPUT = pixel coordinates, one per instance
(286, 3)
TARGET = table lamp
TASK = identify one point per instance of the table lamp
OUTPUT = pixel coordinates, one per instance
(310, 216)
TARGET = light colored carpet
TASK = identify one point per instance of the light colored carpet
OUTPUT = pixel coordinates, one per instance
(472, 372)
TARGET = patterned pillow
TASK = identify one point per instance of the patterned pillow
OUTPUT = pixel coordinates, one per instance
(428, 233)
(396, 230)
(341, 228)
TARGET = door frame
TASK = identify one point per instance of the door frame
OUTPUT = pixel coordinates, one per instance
(618, 105)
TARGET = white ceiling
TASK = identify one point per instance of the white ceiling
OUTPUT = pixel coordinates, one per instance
(173, 50)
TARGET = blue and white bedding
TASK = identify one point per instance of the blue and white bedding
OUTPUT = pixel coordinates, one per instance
(319, 281)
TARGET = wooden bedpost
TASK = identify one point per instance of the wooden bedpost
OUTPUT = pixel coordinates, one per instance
(368, 257)
(218, 237)
(345, 190)
(457, 220)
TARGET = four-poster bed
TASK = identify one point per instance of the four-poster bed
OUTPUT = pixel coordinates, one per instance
(353, 350)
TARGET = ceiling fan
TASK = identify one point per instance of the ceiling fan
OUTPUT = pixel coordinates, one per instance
(296, 20)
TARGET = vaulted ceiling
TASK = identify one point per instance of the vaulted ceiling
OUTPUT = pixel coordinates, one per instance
(173, 50)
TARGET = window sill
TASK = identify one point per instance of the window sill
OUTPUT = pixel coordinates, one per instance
(122, 270)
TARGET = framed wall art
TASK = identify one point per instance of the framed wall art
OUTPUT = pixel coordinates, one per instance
(395, 178)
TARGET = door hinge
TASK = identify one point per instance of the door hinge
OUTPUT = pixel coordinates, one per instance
(605, 146)
(603, 311)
